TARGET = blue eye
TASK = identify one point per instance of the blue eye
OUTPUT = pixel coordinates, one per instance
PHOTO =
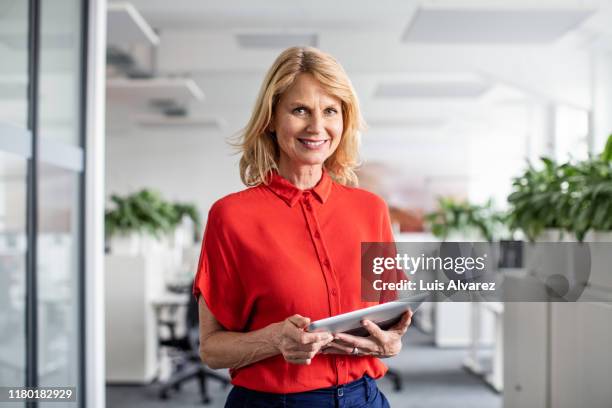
(299, 110)
(331, 111)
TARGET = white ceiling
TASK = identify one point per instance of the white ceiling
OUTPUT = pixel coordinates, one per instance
(372, 40)
(203, 39)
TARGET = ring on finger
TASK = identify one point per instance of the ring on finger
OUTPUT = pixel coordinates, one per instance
(355, 351)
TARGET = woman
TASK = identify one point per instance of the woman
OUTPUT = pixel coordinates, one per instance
(286, 251)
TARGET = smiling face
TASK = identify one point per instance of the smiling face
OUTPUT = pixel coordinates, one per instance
(308, 123)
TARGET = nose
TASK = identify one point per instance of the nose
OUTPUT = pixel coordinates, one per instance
(315, 123)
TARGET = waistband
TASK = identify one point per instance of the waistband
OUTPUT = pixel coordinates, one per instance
(362, 386)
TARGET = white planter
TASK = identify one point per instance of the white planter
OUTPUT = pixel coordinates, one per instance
(554, 235)
(183, 234)
(153, 244)
(126, 244)
(601, 258)
(467, 236)
(598, 236)
(138, 244)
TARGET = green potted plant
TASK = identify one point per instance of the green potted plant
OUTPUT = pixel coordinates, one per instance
(568, 197)
(591, 211)
(469, 220)
(188, 211)
(141, 215)
(540, 200)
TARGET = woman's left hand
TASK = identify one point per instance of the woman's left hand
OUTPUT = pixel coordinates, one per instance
(380, 343)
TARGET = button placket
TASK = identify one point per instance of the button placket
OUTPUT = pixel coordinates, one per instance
(329, 275)
(319, 244)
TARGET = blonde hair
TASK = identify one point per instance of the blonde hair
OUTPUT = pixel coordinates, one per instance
(260, 151)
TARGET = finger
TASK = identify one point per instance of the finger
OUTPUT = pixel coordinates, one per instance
(316, 346)
(340, 347)
(306, 339)
(303, 342)
(374, 330)
(331, 350)
(299, 321)
(327, 348)
(324, 341)
(320, 344)
(301, 355)
(292, 334)
(403, 324)
(299, 336)
(362, 343)
(342, 343)
(299, 361)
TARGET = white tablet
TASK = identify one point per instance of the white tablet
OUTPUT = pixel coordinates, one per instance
(384, 315)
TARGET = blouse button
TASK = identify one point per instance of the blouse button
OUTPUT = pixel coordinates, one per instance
(317, 235)
(326, 263)
(334, 292)
(308, 206)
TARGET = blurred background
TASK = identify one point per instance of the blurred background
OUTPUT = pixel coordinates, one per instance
(115, 119)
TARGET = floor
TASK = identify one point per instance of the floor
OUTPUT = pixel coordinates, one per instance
(432, 377)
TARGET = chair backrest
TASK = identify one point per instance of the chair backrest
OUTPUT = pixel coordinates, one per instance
(192, 315)
(193, 323)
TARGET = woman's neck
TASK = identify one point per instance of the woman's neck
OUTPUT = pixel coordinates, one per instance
(303, 177)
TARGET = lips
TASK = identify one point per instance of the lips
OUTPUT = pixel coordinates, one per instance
(313, 143)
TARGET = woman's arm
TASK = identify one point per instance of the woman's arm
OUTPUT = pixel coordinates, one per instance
(220, 348)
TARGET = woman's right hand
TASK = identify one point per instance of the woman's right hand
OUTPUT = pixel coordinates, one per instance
(297, 345)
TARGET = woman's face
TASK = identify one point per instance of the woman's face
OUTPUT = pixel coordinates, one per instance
(308, 123)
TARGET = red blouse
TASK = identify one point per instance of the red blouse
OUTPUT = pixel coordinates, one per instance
(272, 251)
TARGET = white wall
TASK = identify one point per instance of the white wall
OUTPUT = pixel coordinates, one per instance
(602, 98)
(186, 164)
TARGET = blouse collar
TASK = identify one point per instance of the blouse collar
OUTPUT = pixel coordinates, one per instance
(291, 194)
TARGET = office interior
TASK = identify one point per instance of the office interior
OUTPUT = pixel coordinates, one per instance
(105, 104)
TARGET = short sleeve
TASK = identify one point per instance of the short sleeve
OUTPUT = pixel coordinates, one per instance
(218, 279)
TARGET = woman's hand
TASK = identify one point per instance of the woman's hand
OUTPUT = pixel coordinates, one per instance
(380, 343)
(296, 344)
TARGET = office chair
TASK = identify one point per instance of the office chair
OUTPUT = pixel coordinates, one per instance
(187, 365)
(395, 378)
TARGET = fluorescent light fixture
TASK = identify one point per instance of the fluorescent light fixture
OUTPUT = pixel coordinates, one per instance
(479, 26)
(162, 121)
(127, 26)
(154, 88)
(274, 41)
(435, 89)
(421, 123)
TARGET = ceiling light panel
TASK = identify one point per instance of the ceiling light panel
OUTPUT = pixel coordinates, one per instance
(437, 89)
(421, 123)
(127, 26)
(281, 41)
(162, 121)
(450, 26)
(154, 88)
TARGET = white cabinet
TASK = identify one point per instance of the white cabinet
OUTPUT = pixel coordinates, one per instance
(581, 355)
(132, 283)
(525, 354)
(558, 354)
(453, 325)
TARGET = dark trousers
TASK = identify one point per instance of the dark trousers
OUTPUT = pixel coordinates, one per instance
(362, 393)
